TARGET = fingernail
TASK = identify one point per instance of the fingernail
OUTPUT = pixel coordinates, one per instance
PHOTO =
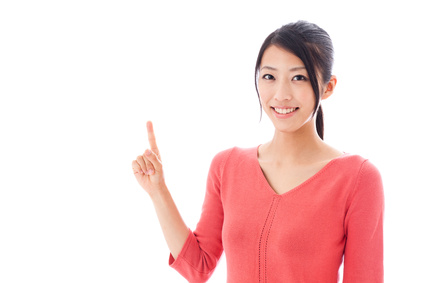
(150, 172)
(148, 152)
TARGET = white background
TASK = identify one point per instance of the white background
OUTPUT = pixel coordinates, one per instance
(79, 80)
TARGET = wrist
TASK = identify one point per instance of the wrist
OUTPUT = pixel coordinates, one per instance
(159, 193)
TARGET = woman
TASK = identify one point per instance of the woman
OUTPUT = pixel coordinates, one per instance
(288, 210)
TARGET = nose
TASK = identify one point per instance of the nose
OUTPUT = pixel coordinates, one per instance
(283, 92)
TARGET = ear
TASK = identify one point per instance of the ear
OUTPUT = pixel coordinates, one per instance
(330, 88)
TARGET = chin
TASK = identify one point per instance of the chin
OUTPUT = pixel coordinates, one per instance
(294, 128)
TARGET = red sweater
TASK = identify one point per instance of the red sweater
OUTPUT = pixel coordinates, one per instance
(299, 236)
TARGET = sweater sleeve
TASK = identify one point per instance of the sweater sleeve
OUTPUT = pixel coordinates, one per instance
(203, 247)
(363, 258)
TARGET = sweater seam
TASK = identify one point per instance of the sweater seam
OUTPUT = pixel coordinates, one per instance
(355, 189)
(267, 237)
(222, 169)
(261, 240)
(225, 164)
(361, 170)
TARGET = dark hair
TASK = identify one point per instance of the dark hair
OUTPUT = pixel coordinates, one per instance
(313, 46)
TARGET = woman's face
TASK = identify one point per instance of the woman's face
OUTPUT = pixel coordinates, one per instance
(285, 91)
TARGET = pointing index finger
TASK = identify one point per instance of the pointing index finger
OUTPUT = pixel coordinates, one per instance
(152, 138)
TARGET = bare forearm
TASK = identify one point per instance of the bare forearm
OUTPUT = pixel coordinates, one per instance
(173, 226)
(148, 171)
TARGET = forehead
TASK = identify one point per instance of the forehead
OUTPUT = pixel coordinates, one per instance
(279, 58)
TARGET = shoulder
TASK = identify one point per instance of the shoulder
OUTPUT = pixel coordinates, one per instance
(236, 153)
(369, 178)
(354, 172)
(358, 163)
(367, 182)
(233, 156)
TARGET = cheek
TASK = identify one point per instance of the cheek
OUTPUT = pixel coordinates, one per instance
(265, 99)
(265, 94)
(307, 98)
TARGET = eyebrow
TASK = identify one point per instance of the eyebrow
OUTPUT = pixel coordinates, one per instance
(268, 67)
(291, 69)
(297, 68)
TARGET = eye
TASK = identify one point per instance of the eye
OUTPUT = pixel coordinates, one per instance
(268, 77)
(300, 78)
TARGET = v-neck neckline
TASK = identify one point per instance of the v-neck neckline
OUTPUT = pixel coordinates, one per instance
(304, 183)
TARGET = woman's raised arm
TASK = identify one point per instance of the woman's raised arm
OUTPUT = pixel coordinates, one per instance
(148, 171)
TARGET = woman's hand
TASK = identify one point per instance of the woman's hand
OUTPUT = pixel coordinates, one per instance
(147, 168)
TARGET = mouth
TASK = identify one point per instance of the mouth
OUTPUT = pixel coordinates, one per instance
(285, 111)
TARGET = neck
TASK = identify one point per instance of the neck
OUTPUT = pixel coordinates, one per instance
(294, 148)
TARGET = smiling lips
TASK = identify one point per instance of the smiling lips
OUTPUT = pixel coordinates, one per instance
(285, 110)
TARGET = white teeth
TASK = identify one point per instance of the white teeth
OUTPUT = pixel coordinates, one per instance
(285, 110)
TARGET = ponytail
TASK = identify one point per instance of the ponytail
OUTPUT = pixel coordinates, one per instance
(320, 122)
